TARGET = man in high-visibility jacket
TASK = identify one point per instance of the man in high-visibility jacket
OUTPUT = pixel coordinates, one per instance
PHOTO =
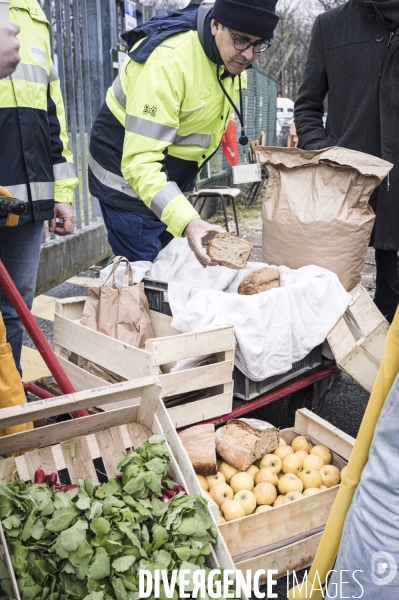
(165, 116)
(35, 163)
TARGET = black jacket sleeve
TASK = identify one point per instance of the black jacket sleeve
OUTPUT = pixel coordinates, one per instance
(309, 107)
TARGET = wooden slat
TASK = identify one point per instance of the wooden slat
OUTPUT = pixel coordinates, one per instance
(148, 404)
(41, 459)
(197, 378)
(187, 345)
(111, 447)
(71, 308)
(58, 457)
(308, 423)
(296, 556)
(78, 459)
(341, 340)
(25, 468)
(194, 412)
(365, 312)
(8, 470)
(80, 379)
(118, 357)
(71, 402)
(138, 433)
(162, 324)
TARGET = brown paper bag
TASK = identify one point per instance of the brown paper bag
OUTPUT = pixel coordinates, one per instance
(122, 313)
(316, 210)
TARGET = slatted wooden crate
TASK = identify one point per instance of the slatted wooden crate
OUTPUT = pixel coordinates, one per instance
(286, 538)
(358, 339)
(90, 446)
(159, 355)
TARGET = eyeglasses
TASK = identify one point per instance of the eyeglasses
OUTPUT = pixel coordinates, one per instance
(243, 43)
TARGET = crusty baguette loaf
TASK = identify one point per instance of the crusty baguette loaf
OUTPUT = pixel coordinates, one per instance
(260, 281)
(229, 251)
(243, 441)
(199, 442)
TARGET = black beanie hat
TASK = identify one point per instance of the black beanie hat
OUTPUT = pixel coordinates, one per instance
(254, 17)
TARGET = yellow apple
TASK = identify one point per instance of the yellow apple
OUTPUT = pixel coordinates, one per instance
(301, 442)
(227, 470)
(267, 475)
(290, 483)
(271, 461)
(313, 462)
(264, 507)
(221, 520)
(203, 482)
(291, 496)
(232, 509)
(323, 452)
(252, 470)
(342, 475)
(215, 479)
(292, 464)
(323, 487)
(241, 481)
(330, 475)
(265, 493)
(279, 500)
(311, 491)
(311, 478)
(283, 451)
(282, 442)
(247, 500)
(221, 492)
(302, 454)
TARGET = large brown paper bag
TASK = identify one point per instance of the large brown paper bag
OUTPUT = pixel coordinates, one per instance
(316, 210)
(122, 313)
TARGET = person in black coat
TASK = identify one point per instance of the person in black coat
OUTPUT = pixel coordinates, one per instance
(354, 58)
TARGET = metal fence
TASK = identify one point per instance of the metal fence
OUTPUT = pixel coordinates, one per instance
(84, 34)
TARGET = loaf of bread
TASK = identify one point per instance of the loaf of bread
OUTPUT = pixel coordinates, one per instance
(199, 442)
(243, 441)
(229, 251)
(260, 281)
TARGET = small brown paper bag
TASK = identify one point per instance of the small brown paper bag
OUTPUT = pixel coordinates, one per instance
(122, 313)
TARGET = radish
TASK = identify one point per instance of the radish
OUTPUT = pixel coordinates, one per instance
(53, 478)
(180, 488)
(170, 493)
(40, 477)
(165, 498)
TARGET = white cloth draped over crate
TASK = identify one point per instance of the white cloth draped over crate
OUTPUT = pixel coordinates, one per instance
(273, 329)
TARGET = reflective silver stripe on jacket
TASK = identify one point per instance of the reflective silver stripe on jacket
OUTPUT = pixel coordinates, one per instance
(163, 197)
(53, 74)
(64, 170)
(118, 92)
(32, 73)
(42, 190)
(19, 191)
(194, 139)
(110, 179)
(150, 129)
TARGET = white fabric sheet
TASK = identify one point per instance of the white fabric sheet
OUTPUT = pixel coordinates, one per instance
(273, 329)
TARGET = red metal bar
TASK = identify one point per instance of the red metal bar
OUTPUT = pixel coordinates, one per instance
(272, 396)
(37, 336)
(31, 386)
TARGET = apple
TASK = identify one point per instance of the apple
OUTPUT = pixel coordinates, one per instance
(279, 500)
(264, 507)
(290, 483)
(221, 492)
(207, 495)
(342, 475)
(302, 454)
(227, 470)
(215, 479)
(267, 475)
(271, 461)
(311, 491)
(301, 442)
(323, 487)
(313, 462)
(323, 452)
(203, 482)
(252, 470)
(311, 478)
(247, 500)
(330, 475)
(283, 451)
(265, 493)
(282, 442)
(221, 520)
(292, 464)
(242, 481)
(232, 509)
(291, 496)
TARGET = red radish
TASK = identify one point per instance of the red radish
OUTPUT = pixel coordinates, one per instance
(170, 493)
(165, 498)
(67, 488)
(53, 478)
(40, 477)
(168, 477)
(118, 477)
(180, 488)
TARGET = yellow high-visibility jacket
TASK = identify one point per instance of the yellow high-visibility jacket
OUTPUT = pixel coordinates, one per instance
(161, 121)
(35, 163)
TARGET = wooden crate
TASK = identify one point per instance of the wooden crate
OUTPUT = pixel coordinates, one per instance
(358, 339)
(90, 446)
(159, 354)
(286, 538)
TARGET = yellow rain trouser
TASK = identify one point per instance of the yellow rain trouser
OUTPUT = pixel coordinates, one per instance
(331, 539)
(11, 388)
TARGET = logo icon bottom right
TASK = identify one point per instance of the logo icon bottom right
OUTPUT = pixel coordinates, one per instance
(383, 568)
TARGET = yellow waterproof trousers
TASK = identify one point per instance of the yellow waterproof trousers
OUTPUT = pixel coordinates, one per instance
(331, 539)
(11, 388)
